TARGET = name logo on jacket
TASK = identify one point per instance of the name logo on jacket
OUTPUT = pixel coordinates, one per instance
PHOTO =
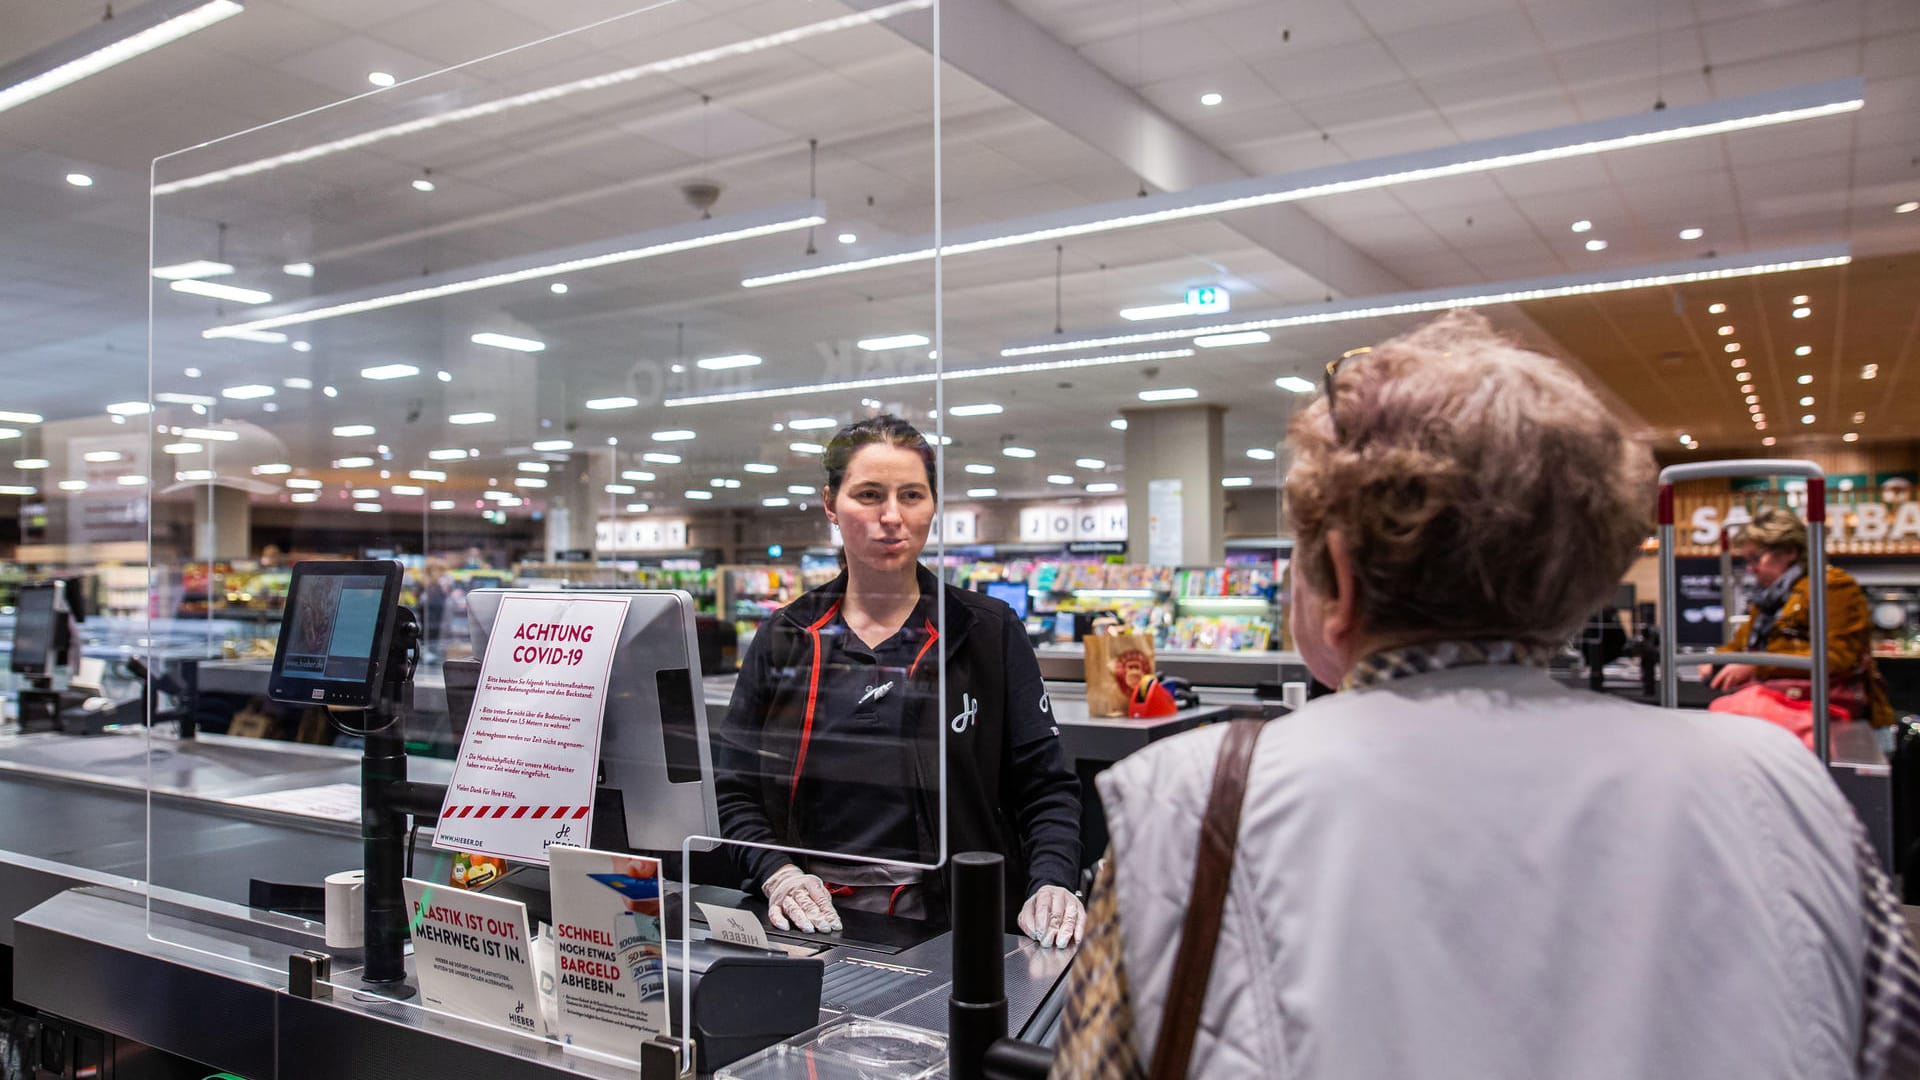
(970, 708)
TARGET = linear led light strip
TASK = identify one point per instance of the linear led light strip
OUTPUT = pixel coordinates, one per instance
(1373, 307)
(909, 380)
(1551, 144)
(551, 93)
(139, 30)
(632, 248)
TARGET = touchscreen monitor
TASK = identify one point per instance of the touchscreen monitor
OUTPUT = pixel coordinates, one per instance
(36, 624)
(334, 634)
(1011, 593)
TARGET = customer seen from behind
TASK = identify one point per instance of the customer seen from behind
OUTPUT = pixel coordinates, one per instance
(1454, 867)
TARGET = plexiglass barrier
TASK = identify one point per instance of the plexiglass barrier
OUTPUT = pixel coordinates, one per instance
(501, 326)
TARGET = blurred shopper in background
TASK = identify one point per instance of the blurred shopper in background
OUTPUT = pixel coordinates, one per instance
(1454, 867)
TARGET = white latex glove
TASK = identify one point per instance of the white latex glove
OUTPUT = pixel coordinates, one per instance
(797, 898)
(1053, 917)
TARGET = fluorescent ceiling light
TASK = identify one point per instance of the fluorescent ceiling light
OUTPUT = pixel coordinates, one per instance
(211, 434)
(641, 475)
(696, 493)
(27, 464)
(407, 489)
(813, 423)
(553, 446)
(1102, 488)
(806, 448)
(441, 504)
(1221, 341)
(304, 497)
(1692, 234)
(1260, 453)
(896, 341)
(980, 470)
(1552, 144)
(800, 489)
(217, 291)
(248, 392)
(1545, 288)
(604, 403)
(676, 435)
(128, 34)
(471, 418)
(619, 489)
(449, 454)
(948, 376)
(353, 431)
(776, 501)
(658, 458)
(264, 337)
(99, 457)
(534, 467)
(634, 247)
(21, 490)
(1089, 463)
(1060, 478)
(727, 363)
(131, 481)
(171, 398)
(352, 462)
(129, 408)
(546, 94)
(367, 507)
(299, 269)
(79, 179)
(1021, 452)
(1294, 383)
(9, 433)
(304, 483)
(1236, 481)
(975, 410)
(186, 475)
(20, 417)
(274, 469)
(382, 372)
(760, 467)
(982, 493)
(508, 341)
(430, 475)
(198, 268)
(529, 482)
(1171, 393)
(638, 508)
(724, 482)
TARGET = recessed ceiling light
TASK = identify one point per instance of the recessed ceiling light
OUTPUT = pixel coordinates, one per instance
(1868, 371)
(531, 482)
(31, 463)
(1118, 423)
(1907, 207)
(1582, 225)
(619, 489)
(894, 341)
(1102, 488)
(1692, 234)
(985, 409)
(553, 446)
(1221, 341)
(1171, 393)
(248, 392)
(471, 418)
(334, 392)
(604, 403)
(1743, 376)
(1260, 453)
(353, 431)
(698, 494)
(1090, 463)
(98, 457)
(1236, 481)
(1851, 436)
(352, 462)
(675, 435)
(1802, 298)
(1753, 408)
(558, 288)
(1807, 419)
(1802, 312)
(1060, 478)
(800, 489)
(1294, 383)
(381, 78)
(1716, 309)
(641, 475)
(980, 470)
(1738, 361)
(430, 475)
(1768, 441)
(1726, 331)
(447, 454)
(383, 372)
(813, 423)
(1804, 379)
(1806, 401)
(728, 362)
(1753, 399)
(659, 458)
(638, 508)
(1020, 452)
(407, 489)
(761, 467)
(1731, 346)
(540, 467)
(982, 493)
(79, 179)
(423, 185)
(129, 408)
(272, 469)
(1211, 99)
(847, 238)
(1860, 418)
(508, 341)
(1596, 245)
(217, 291)
(299, 269)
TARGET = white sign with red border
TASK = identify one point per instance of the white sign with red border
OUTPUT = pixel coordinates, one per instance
(525, 776)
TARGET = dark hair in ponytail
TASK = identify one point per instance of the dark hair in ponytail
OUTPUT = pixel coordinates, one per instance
(885, 429)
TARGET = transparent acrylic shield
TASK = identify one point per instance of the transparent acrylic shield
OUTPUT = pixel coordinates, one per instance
(505, 324)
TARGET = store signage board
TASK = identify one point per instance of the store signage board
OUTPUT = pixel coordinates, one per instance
(525, 775)
(610, 970)
(471, 953)
(1065, 522)
(1166, 525)
(641, 534)
(957, 527)
(1847, 524)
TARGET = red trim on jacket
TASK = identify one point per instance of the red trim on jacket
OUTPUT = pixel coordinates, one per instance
(813, 697)
(933, 635)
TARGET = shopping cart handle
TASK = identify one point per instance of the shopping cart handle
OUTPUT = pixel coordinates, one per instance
(1707, 470)
(1758, 659)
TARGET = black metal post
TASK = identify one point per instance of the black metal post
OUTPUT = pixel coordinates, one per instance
(977, 1004)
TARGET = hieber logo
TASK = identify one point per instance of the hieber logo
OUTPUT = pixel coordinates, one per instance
(519, 1018)
(969, 708)
(563, 835)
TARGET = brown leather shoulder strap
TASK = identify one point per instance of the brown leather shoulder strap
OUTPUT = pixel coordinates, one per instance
(1212, 874)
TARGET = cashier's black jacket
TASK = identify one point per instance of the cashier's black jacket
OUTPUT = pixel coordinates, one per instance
(1019, 800)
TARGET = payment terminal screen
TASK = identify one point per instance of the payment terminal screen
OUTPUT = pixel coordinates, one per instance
(334, 621)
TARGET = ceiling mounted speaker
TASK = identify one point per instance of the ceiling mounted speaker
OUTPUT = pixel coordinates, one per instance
(701, 195)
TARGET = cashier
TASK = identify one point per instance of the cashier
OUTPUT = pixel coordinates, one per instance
(829, 744)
